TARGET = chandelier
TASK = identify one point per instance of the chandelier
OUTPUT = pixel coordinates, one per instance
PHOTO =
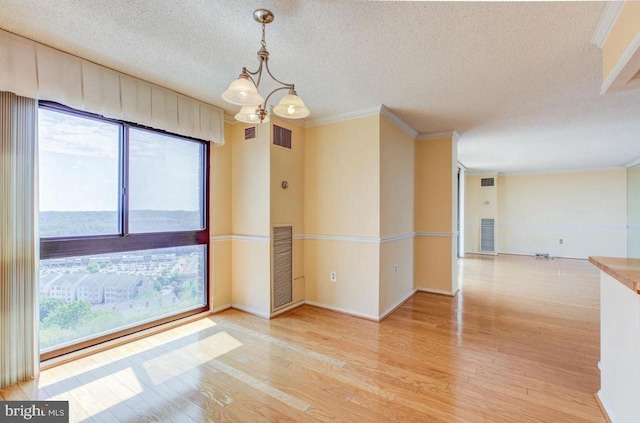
(244, 90)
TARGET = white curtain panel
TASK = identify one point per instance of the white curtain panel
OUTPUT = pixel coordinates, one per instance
(19, 248)
(36, 71)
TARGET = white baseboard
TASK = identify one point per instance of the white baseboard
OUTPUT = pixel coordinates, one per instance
(482, 253)
(396, 305)
(290, 307)
(606, 410)
(250, 310)
(439, 291)
(221, 308)
(344, 310)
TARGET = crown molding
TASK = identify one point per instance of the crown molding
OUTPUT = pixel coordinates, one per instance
(343, 116)
(462, 166)
(298, 122)
(608, 18)
(554, 171)
(396, 120)
(230, 119)
(633, 162)
(437, 135)
(622, 75)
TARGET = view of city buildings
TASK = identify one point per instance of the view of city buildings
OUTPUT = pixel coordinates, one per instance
(76, 292)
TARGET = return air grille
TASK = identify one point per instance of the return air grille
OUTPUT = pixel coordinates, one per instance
(282, 265)
(487, 235)
(250, 133)
(486, 182)
(281, 136)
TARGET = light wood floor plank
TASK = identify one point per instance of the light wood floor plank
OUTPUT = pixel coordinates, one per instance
(520, 343)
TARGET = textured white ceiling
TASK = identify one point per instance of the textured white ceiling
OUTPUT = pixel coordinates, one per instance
(519, 81)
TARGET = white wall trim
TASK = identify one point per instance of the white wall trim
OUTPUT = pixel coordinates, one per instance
(364, 239)
(607, 19)
(533, 254)
(558, 225)
(437, 234)
(485, 253)
(437, 135)
(620, 77)
(254, 238)
(221, 308)
(398, 303)
(251, 310)
(397, 237)
(439, 291)
(343, 310)
(632, 163)
(550, 172)
(230, 119)
(344, 238)
(542, 172)
(607, 408)
(396, 120)
(343, 116)
(287, 308)
(216, 238)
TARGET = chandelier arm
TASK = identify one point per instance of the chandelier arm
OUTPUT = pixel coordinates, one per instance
(273, 92)
(290, 86)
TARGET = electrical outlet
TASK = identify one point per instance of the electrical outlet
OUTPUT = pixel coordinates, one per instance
(333, 276)
(396, 268)
(561, 241)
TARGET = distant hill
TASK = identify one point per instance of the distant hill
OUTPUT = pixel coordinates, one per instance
(63, 223)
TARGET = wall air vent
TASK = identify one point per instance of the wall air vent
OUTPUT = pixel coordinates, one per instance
(250, 133)
(281, 136)
(487, 182)
(282, 265)
(487, 235)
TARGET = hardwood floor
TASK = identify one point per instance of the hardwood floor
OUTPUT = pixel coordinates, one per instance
(519, 344)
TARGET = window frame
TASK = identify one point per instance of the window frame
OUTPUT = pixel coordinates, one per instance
(74, 246)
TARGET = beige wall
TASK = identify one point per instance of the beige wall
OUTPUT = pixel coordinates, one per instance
(251, 281)
(353, 185)
(250, 182)
(342, 178)
(220, 222)
(434, 186)
(395, 287)
(342, 201)
(250, 207)
(356, 264)
(633, 211)
(587, 210)
(397, 173)
(625, 29)
(287, 205)
(476, 208)
(436, 215)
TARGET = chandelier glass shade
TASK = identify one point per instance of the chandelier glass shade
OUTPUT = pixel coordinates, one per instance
(244, 90)
(249, 114)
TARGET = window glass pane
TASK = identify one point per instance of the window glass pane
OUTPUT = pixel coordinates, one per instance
(85, 297)
(165, 183)
(78, 175)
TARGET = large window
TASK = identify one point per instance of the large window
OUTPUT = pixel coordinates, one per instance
(123, 227)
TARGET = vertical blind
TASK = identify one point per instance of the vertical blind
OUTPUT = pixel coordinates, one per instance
(19, 354)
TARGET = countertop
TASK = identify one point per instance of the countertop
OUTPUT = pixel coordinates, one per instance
(625, 270)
